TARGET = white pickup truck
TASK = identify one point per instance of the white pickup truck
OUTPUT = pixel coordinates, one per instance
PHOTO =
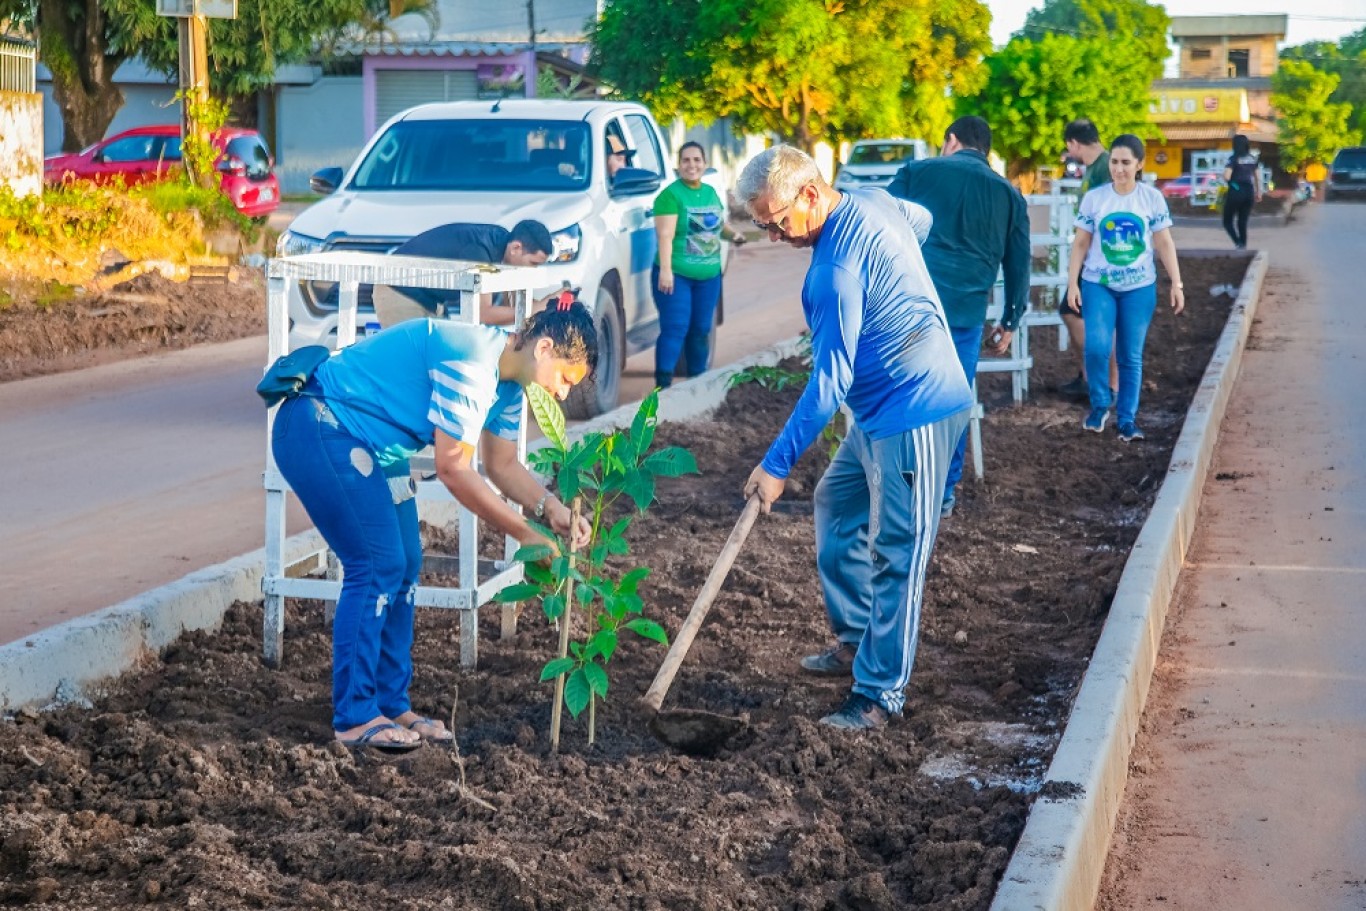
(499, 162)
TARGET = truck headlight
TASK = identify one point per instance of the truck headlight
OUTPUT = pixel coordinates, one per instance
(291, 244)
(565, 244)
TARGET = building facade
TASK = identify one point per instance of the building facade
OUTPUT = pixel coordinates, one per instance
(1222, 87)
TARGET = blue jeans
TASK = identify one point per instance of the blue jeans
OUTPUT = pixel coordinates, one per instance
(1116, 321)
(349, 499)
(685, 321)
(967, 340)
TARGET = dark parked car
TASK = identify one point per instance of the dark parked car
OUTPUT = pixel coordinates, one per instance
(1347, 176)
(147, 154)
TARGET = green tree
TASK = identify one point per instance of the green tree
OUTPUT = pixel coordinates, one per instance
(1311, 126)
(1346, 60)
(1034, 88)
(1138, 26)
(805, 69)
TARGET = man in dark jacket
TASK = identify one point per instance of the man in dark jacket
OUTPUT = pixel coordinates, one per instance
(981, 226)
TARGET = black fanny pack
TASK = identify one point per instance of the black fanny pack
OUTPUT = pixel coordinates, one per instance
(289, 374)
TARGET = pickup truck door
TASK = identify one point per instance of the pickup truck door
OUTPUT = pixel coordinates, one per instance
(642, 320)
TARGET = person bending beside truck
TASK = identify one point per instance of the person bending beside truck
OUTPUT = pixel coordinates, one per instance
(343, 445)
(527, 244)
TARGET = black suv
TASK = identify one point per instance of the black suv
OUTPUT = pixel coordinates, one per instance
(1347, 176)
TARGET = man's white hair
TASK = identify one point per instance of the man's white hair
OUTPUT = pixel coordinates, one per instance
(781, 171)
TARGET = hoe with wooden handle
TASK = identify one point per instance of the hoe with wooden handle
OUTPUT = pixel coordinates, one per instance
(692, 731)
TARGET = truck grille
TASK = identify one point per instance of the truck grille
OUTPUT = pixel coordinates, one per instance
(321, 297)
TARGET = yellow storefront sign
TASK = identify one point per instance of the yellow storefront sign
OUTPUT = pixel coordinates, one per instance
(1198, 106)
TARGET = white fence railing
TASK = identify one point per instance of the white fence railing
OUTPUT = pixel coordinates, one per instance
(1052, 279)
(18, 67)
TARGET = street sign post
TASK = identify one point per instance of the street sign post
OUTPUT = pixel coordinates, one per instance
(210, 9)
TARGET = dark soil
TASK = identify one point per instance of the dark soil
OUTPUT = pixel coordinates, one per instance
(143, 315)
(208, 781)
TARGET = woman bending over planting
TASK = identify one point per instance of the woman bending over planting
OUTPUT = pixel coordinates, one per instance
(343, 445)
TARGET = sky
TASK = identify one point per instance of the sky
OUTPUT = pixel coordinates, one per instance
(1329, 21)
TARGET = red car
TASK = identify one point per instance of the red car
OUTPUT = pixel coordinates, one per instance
(1180, 187)
(147, 154)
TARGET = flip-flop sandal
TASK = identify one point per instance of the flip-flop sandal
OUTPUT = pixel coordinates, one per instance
(367, 740)
(443, 735)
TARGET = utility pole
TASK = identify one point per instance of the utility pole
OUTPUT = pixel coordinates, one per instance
(192, 19)
(531, 23)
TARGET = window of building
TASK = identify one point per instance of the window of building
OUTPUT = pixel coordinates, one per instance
(1201, 53)
(1238, 63)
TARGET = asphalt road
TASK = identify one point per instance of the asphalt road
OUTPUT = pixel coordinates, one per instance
(125, 477)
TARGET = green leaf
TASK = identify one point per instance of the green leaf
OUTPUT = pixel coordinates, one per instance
(567, 482)
(631, 581)
(597, 679)
(539, 574)
(553, 606)
(648, 629)
(640, 487)
(549, 416)
(555, 668)
(584, 594)
(603, 643)
(670, 463)
(578, 691)
(644, 423)
(514, 593)
(532, 553)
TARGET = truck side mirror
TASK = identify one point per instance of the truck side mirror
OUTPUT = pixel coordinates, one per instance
(326, 181)
(635, 182)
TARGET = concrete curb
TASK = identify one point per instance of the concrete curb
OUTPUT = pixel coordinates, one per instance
(1060, 858)
(61, 662)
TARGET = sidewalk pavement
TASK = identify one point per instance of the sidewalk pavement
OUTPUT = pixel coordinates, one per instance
(1247, 787)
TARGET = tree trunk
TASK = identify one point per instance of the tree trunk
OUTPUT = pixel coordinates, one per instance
(74, 46)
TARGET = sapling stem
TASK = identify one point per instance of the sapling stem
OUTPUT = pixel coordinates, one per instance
(566, 620)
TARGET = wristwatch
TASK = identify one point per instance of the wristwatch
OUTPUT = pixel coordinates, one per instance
(539, 511)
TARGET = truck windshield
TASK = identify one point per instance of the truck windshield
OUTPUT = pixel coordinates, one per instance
(478, 155)
(881, 153)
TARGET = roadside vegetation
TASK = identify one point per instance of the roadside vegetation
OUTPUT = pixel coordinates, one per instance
(81, 236)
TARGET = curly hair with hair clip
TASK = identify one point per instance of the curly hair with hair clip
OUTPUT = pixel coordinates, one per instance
(570, 329)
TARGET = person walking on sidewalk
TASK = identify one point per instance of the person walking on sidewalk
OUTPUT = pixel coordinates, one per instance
(981, 224)
(880, 345)
(1112, 281)
(1244, 180)
(690, 221)
(1082, 140)
(343, 445)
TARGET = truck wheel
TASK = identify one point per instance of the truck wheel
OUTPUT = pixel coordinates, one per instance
(601, 393)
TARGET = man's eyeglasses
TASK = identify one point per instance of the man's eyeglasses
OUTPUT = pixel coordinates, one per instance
(780, 226)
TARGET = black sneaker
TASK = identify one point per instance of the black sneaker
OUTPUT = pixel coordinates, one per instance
(1076, 389)
(837, 661)
(859, 713)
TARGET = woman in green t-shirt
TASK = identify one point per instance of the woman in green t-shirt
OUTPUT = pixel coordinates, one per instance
(690, 219)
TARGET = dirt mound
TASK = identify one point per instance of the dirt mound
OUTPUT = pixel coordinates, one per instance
(148, 313)
(208, 781)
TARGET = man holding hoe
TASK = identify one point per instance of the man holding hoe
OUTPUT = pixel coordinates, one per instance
(881, 345)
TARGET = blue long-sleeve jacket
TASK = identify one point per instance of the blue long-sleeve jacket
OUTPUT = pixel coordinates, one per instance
(879, 338)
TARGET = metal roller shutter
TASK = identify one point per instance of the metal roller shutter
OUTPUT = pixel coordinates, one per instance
(398, 90)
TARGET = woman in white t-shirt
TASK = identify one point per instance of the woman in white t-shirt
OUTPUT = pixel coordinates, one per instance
(1114, 281)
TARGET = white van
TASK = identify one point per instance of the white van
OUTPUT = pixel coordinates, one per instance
(488, 162)
(874, 162)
